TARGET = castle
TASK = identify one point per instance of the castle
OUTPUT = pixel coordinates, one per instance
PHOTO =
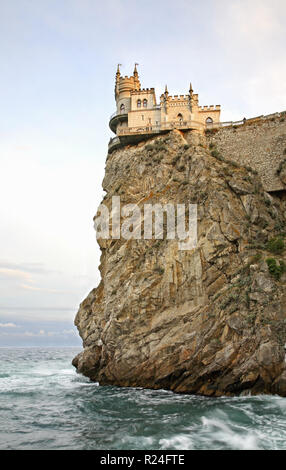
(139, 116)
(258, 142)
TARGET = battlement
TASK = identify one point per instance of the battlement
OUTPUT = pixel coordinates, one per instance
(209, 108)
(126, 79)
(143, 90)
(179, 98)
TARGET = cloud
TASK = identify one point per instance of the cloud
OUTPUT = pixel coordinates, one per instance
(14, 274)
(8, 325)
(70, 332)
(37, 268)
(250, 47)
(22, 272)
(38, 313)
(40, 333)
(43, 289)
(256, 20)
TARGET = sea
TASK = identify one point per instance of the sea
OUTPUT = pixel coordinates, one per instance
(46, 405)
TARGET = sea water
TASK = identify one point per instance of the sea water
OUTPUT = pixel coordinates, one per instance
(45, 404)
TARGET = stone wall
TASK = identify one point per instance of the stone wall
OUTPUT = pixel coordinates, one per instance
(151, 116)
(260, 145)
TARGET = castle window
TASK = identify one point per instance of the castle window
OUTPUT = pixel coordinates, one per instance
(180, 117)
(144, 103)
(138, 103)
(122, 109)
(209, 120)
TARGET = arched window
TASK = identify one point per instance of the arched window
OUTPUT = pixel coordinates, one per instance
(180, 117)
(145, 103)
(209, 120)
(138, 103)
(122, 109)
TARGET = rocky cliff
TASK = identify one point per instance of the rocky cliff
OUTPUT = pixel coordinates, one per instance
(211, 320)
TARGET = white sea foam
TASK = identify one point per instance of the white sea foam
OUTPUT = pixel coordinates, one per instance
(231, 436)
(179, 442)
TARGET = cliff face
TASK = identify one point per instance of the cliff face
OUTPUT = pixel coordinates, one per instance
(211, 320)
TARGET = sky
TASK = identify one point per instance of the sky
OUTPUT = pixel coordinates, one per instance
(57, 69)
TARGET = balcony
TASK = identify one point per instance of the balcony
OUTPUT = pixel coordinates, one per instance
(157, 129)
(115, 119)
(114, 144)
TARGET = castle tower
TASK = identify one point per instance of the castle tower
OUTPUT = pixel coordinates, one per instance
(125, 85)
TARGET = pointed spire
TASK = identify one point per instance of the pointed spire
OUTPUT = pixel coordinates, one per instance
(117, 81)
(166, 90)
(191, 89)
(135, 73)
(118, 70)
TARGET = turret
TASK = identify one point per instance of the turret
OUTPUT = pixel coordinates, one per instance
(124, 86)
(191, 93)
(117, 80)
(135, 73)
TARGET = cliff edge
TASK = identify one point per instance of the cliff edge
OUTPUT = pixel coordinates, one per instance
(211, 320)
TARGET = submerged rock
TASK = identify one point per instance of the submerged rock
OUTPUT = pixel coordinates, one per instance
(211, 320)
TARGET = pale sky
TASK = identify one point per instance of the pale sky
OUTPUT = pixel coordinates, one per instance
(58, 62)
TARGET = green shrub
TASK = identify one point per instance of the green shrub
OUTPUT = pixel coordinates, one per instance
(251, 318)
(276, 269)
(214, 153)
(276, 245)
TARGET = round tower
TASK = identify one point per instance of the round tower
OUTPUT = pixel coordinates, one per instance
(124, 86)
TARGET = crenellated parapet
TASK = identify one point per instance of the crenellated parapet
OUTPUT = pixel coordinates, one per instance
(210, 108)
